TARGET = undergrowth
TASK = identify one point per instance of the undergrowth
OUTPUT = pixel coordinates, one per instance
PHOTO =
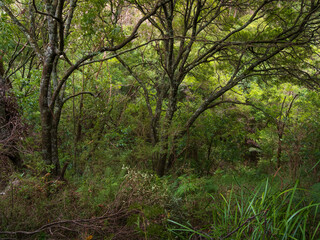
(126, 203)
(265, 213)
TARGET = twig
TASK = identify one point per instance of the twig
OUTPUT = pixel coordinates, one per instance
(247, 221)
(86, 223)
(43, 13)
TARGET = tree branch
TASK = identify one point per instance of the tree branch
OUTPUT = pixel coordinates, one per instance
(73, 4)
(43, 13)
(80, 93)
(119, 53)
(23, 29)
(104, 49)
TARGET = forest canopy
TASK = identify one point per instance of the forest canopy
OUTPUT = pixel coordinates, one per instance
(107, 99)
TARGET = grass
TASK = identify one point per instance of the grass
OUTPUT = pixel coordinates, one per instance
(265, 213)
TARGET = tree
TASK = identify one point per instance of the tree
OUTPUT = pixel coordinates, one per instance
(47, 27)
(241, 40)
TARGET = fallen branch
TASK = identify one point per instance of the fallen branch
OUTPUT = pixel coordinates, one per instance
(95, 224)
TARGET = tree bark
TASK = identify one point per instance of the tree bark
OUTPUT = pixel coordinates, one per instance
(45, 114)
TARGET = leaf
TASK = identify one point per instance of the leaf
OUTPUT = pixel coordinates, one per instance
(89, 237)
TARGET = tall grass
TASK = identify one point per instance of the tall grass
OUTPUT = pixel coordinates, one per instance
(264, 213)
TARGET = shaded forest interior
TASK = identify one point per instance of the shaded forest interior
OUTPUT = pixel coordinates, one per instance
(168, 119)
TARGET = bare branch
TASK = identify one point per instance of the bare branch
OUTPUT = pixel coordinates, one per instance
(263, 213)
(43, 13)
(78, 94)
(73, 4)
(104, 49)
(14, 55)
(234, 80)
(24, 29)
(119, 53)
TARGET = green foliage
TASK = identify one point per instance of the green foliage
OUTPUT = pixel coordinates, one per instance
(39, 198)
(107, 139)
(8, 34)
(266, 213)
(98, 190)
(196, 206)
(315, 192)
(149, 222)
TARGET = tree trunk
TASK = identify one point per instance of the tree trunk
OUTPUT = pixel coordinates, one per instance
(279, 151)
(54, 142)
(164, 150)
(162, 164)
(46, 143)
(46, 116)
(55, 152)
(46, 120)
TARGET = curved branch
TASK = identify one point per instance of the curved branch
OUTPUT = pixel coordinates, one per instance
(104, 49)
(120, 53)
(77, 94)
(45, 14)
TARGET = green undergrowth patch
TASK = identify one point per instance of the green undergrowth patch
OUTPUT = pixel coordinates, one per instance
(264, 213)
(219, 206)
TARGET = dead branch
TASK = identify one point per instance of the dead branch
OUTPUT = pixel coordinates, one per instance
(250, 219)
(96, 224)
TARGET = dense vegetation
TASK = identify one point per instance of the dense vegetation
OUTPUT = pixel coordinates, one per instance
(169, 119)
